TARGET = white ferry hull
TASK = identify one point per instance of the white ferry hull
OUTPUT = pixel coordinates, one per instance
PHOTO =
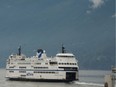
(57, 76)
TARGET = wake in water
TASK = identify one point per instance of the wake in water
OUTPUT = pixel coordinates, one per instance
(85, 84)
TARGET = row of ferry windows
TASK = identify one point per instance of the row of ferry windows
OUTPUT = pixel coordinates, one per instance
(34, 72)
(53, 63)
(67, 63)
(19, 71)
(34, 67)
(40, 67)
(47, 67)
(35, 63)
(43, 72)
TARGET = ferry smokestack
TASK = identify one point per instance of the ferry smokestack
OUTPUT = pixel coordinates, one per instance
(19, 50)
(39, 52)
(63, 49)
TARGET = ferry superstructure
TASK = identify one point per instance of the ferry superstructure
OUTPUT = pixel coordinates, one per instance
(62, 67)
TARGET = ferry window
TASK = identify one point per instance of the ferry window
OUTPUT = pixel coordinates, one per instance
(44, 72)
(24, 63)
(52, 72)
(11, 67)
(22, 71)
(67, 63)
(23, 75)
(69, 68)
(60, 63)
(11, 71)
(40, 67)
(73, 63)
(22, 67)
(36, 72)
(22, 59)
(52, 63)
(75, 69)
(46, 63)
(38, 63)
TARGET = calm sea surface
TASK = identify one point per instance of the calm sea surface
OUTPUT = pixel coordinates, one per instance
(88, 78)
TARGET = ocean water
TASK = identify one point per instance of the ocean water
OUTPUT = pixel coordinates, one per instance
(88, 78)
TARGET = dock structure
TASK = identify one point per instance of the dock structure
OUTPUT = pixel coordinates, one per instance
(110, 79)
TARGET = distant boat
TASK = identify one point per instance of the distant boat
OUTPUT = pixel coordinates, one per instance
(62, 67)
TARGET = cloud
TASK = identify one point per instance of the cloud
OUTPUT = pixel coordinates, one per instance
(114, 15)
(96, 3)
(88, 11)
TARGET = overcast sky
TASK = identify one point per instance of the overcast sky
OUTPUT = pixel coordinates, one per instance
(78, 24)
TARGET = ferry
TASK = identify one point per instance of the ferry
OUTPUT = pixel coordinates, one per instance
(62, 67)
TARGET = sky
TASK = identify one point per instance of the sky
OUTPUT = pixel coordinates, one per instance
(83, 26)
